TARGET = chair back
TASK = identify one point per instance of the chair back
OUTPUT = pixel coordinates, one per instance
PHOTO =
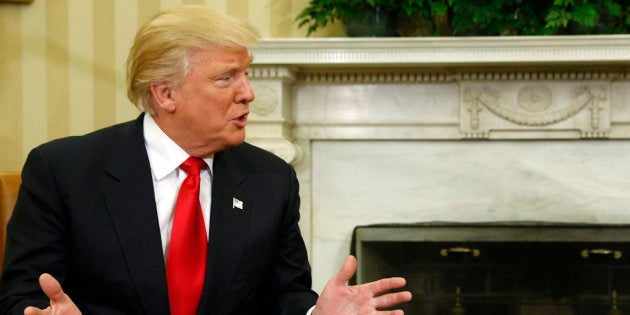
(9, 186)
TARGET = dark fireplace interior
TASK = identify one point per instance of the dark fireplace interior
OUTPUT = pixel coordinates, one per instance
(501, 268)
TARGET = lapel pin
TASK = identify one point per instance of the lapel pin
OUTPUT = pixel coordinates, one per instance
(237, 203)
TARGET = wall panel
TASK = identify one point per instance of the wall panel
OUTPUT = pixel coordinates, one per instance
(63, 63)
(10, 82)
(33, 78)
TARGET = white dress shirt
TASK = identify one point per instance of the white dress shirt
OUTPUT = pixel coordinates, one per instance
(165, 157)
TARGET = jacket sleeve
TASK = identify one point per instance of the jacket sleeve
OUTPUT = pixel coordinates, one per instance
(291, 265)
(36, 238)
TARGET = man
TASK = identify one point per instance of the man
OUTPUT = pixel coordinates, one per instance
(97, 228)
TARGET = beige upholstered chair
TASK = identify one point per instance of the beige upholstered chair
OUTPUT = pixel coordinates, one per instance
(9, 186)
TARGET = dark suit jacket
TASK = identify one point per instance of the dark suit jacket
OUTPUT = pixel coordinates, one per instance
(86, 214)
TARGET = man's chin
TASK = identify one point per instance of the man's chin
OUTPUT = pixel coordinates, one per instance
(235, 141)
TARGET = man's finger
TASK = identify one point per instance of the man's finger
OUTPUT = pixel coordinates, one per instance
(383, 285)
(392, 299)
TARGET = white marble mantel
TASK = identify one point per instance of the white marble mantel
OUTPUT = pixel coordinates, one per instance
(384, 130)
(479, 67)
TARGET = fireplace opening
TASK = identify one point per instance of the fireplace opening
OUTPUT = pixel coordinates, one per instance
(522, 268)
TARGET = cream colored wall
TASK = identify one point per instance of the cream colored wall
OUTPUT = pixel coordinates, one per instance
(62, 62)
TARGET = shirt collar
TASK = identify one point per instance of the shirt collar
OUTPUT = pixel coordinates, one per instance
(165, 155)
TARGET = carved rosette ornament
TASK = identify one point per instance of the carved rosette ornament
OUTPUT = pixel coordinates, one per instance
(266, 101)
(535, 107)
(534, 99)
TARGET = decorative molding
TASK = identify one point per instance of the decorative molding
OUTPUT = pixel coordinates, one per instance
(272, 72)
(445, 51)
(387, 75)
(541, 74)
(537, 104)
(374, 76)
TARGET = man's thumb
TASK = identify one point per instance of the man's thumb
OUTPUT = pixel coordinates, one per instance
(51, 288)
(347, 271)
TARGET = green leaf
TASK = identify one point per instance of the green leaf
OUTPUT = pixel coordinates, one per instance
(557, 18)
(585, 14)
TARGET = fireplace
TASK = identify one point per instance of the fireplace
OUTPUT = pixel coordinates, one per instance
(407, 130)
(516, 268)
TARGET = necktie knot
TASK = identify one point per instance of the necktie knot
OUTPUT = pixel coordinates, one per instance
(193, 165)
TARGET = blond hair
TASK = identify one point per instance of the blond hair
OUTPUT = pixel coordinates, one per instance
(162, 46)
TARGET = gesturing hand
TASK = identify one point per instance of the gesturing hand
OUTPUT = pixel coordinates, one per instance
(60, 303)
(366, 299)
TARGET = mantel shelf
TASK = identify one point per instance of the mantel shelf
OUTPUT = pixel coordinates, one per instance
(445, 51)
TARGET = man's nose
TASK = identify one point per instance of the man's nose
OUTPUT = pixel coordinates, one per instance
(246, 93)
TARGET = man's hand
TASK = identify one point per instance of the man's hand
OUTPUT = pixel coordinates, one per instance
(60, 303)
(369, 298)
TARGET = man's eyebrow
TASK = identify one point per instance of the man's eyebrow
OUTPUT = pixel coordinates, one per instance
(234, 68)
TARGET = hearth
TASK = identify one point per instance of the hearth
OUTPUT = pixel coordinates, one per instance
(516, 268)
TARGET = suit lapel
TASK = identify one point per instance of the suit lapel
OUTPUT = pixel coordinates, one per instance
(131, 204)
(229, 229)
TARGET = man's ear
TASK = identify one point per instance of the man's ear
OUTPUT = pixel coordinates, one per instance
(162, 93)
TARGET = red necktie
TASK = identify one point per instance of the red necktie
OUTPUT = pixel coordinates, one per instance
(186, 261)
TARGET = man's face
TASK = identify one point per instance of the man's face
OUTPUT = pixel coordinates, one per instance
(211, 101)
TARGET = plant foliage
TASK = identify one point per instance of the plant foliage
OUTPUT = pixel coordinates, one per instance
(486, 18)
